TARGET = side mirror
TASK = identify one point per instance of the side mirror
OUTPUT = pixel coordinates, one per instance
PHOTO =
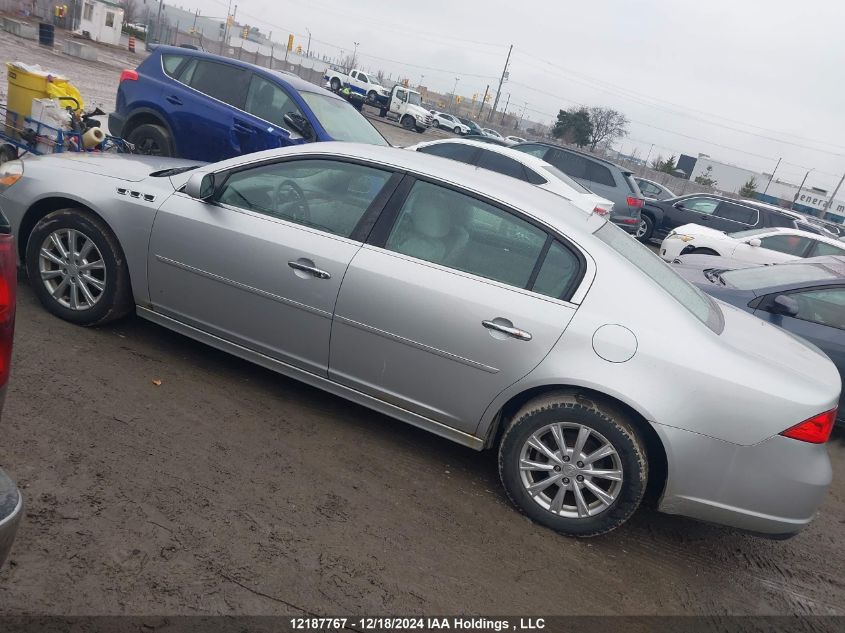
(754, 241)
(200, 186)
(301, 125)
(785, 305)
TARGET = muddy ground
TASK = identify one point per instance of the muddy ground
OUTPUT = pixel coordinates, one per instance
(231, 490)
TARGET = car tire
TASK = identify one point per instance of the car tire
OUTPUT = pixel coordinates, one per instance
(571, 415)
(457, 130)
(435, 123)
(645, 229)
(152, 140)
(408, 122)
(372, 95)
(107, 280)
(335, 83)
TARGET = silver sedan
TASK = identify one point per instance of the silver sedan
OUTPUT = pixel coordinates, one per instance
(455, 300)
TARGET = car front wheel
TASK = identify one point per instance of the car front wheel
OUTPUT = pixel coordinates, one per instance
(573, 464)
(77, 268)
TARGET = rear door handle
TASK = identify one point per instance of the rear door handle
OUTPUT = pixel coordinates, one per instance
(174, 100)
(313, 270)
(513, 332)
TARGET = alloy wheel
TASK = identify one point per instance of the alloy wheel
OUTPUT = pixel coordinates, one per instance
(641, 228)
(571, 470)
(72, 269)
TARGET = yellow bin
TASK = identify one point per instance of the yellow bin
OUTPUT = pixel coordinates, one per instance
(26, 84)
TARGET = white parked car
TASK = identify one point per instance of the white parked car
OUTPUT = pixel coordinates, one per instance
(492, 133)
(759, 246)
(526, 167)
(515, 139)
(448, 122)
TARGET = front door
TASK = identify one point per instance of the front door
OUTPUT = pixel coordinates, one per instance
(261, 265)
(695, 210)
(457, 301)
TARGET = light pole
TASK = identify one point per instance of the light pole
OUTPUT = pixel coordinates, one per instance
(355, 55)
(308, 51)
(454, 90)
(649, 154)
(419, 85)
(800, 188)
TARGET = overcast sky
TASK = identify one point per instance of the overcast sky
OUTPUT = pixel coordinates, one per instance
(745, 81)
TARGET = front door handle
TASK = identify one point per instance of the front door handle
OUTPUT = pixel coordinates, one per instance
(312, 270)
(511, 331)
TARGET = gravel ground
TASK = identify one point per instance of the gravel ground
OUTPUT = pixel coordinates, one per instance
(231, 490)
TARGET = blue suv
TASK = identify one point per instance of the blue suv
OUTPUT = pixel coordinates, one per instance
(191, 104)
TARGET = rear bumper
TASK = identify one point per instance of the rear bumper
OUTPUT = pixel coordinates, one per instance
(116, 123)
(11, 509)
(627, 223)
(772, 488)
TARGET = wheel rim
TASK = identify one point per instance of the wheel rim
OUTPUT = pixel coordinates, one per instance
(72, 269)
(148, 147)
(571, 470)
(641, 228)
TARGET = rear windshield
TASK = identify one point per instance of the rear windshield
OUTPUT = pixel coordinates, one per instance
(341, 120)
(554, 171)
(632, 184)
(698, 303)
(780, 275)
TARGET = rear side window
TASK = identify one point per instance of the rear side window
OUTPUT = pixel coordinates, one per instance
(778, 219)
(789, 244)
(171, 64)
(501, 164)
(558, 272)
(455, 151)
(658, 271)
(737, 213)
(600, 175)
(823, 248)
(226, 83)
(571, 164)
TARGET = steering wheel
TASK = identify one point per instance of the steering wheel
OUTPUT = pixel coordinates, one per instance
(298, 205)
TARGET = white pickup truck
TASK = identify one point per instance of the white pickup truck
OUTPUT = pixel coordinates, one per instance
(359, 82)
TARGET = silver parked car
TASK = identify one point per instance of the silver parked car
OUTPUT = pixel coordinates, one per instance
(455, 300)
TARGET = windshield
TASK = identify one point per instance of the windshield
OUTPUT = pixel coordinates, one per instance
(554, 171)
(341, 120)
(749, 233)
(414, 98)
(768, 276)
(698, 303)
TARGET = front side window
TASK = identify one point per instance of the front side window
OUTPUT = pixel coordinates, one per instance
(789, 244)
(268, 101)
(455, 151)
(823, 248)
(225, 83)
(455, 230)
(501, 164)
(825, 307)
(401, 95)
(414, 98)
(340, 120)
(326, 195)
(664, 276)
(699, 205)
(362, 77)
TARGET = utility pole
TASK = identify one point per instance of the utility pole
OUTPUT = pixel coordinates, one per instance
(649, 154)
(452, 96)
(772, 176)
(308, 51)
(501, 81)
(516, 127)
(226, 29)
(505, 111)
(158, 21)
(835, 191)
(800, 188)
(481, 108)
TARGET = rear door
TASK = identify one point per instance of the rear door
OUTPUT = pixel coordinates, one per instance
(453, 300)
(693, 210)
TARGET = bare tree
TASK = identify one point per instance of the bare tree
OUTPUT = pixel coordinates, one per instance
(608, 125)
(130, 11)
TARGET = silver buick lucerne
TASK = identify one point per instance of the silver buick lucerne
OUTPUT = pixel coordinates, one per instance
(470, 304)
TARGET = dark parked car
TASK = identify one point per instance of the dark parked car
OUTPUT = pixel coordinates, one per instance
(11, 502)
(487, 139)
(474, 128)
(806, 297)
(660, 217)
(600, 176)
(654, 190)
(191, 104)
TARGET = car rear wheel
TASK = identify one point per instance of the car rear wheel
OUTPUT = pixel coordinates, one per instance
(151, 140)
(456, 130)
(573, 464)
(77, 268)
(645, 229)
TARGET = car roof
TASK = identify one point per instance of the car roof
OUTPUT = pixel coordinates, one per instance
(528, 160)
(814, 236)
(584, 154)
(833, 264)
(535, 201)
(288, 79)
(487, 140)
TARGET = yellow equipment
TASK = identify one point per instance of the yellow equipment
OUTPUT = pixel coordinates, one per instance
(27, 83)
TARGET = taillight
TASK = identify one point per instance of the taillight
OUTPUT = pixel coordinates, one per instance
(129, 75)
(635, 202)
(8, 287)
(600, 211)
(816, 430)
